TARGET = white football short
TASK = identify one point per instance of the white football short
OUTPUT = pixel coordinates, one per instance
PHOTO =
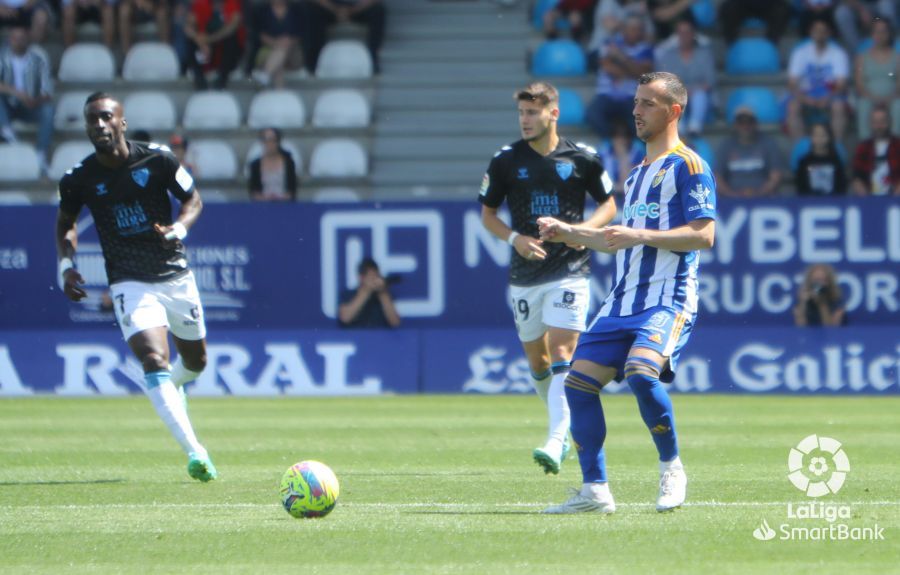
(563, 303)
(174, 304)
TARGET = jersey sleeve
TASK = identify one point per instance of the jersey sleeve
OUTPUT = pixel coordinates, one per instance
(600, 184)
(697, 187)
(178, 180)
(493, 186)
(70, 200)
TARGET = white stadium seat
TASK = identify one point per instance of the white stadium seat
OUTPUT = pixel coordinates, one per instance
(344, 59)
(328, 195)
(67, 155)
(18, 162)
(14, 198)
(339, 158)
(69, 113)
(276, 108)
(87, 62)
(255, 151)
(150, 110)
(151, 62)
(341, 108)
(212, 110)
(213, 160)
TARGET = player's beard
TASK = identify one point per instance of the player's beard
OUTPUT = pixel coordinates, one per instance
(535, 134)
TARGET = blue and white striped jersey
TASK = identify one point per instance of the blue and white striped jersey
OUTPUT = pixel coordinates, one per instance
(667, 193)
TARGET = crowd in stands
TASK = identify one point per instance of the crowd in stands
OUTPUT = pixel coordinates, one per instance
(828, 75)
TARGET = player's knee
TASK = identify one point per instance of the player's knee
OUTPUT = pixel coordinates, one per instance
(197, 363)
(154, 361)
(641, 373)
(580, 387)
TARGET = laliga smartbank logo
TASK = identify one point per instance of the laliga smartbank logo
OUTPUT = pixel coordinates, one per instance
(818, 466)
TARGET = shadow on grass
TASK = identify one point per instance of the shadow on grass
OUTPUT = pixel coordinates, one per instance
(83, 482)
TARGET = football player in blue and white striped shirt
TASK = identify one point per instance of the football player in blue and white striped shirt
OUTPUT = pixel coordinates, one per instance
(668, 216)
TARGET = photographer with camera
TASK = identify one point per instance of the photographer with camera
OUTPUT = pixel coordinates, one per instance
(371, 304)
(819, 300)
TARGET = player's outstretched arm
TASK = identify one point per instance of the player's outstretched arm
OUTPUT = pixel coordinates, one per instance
(66, 243)
(698, 234)
(553, 230)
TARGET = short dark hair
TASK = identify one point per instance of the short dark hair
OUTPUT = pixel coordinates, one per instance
(365, 265)
(676, 93)
(544, 93)
(98, 96)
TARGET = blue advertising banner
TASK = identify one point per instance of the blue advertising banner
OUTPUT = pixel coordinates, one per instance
(334, 362)
(286, 266)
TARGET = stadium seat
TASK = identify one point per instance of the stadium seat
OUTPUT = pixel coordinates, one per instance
(559, 58)
(327, 195)
(338, 158)
(341, 108)
(344, 59)
(150, 110)
(18, 162)
(67, 155)
(14, 198)
(151, 62)
(278, 108)
(87, 62)
(704, 13)
(213, 160)
(801, 148)
(752, 56)
(255, 151)
(704, 150)
(866, 43)
(212, 110)
(541, 7)
(571, 108)
(69, 112)
(762, 100)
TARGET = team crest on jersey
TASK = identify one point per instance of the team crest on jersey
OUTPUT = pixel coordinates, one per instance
(564, 169)
(101, 189)
(659, 319)
(658, 178)
(141, 176)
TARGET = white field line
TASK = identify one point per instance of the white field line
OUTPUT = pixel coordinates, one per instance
(422, 505)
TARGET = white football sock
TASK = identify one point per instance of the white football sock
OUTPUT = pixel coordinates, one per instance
(542, 386)
(558, 408)
(669, 465)
(170, 408)
(595, 490)
(182, 375)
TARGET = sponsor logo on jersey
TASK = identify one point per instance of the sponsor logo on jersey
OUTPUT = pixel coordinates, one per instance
(568, 302)
(564, 169)
(641, 210)
(701, 194)
(658, 178)
(101, 189)
(485, 184)
(655, 338)
(141, 176)
(523, 174)
(131, 219)
(544, 204)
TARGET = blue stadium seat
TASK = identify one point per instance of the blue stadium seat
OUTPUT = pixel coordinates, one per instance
(752, 56)
(541, 7)
(559, 58)
(801, 148)
(704, 150)
(571, 108)
(704, 13)
(762, 100)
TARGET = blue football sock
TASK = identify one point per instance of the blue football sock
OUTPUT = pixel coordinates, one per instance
(588, 425)
(654, 404)
(157, 378)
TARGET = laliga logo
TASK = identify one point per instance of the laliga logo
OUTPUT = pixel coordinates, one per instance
(818, 466)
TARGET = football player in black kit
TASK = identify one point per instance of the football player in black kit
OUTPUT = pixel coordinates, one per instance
(126, 186)
(539, 175)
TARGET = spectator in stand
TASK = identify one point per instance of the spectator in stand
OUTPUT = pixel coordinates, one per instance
(620, 153)
(180, 148)
(26, 90)
(821, 171)
(876, 163)
(622, 61)
(76, 11)
(733, 14)
(819, 299)
(578, 13)
(273, 175)
(35, 15)
(320, 14)
(877, 75)
(608, 19)
(666, 13)
(133, 12)
(689, 56)
(817, 77)
(748, 164)
(277, 25)
(370, 305)
(215, 32)
(854, 19)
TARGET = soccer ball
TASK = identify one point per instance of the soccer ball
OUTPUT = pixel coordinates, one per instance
(309, 489)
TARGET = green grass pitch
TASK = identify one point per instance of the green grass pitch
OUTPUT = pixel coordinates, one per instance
(429, 484)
